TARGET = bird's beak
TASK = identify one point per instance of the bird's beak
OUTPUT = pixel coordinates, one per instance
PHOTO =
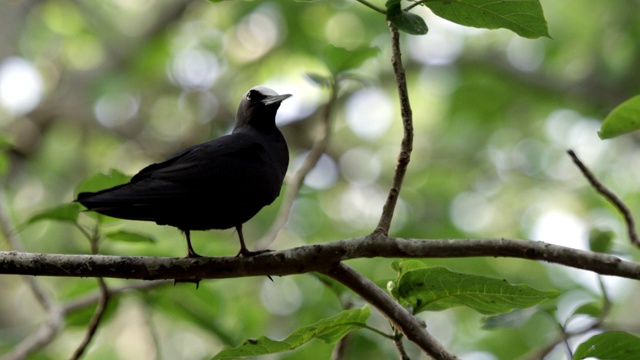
(275, 99)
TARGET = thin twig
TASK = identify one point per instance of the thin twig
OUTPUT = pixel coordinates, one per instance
(102, 302)
(414, 5)
(371, 6)
(397, 341)
(295, 181)
(89, 300)
(55, 319)
(40, 338)
(340, 350)
(13, 239)
(406, 145)
(410, 326)
(95, 320)
(565, 336)
(609, 195)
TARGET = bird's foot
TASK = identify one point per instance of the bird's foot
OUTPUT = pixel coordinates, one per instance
(246, 253)
(195, 281)
(192, 254)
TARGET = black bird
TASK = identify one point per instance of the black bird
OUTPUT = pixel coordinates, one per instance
(218, 184)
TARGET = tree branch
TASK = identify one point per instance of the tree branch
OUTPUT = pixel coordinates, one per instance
(406, 145)
(304, 259)
(323, 258)
(610, 196)
(412, 328)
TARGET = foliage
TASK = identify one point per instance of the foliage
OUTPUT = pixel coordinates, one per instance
(437, 288)
(610, 345)
(623, 119)
(122, 84)
(329, 330)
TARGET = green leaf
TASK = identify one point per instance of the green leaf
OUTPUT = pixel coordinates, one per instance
(524, 17)
(601, 240)
(319, 80)
(339, 60)
(128, 236)
(592, 309)
(405, 21)
(616, 345)
(328, 330)
(512, 320)
(65, 213)
(623, 119)
(102, 181)
(437, 288)
(404, 265)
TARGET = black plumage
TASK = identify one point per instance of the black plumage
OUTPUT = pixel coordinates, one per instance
(218, 184)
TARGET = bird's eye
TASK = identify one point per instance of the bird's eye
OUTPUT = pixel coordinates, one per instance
(251, 94)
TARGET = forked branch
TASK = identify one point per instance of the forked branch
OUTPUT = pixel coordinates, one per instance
(610, 196)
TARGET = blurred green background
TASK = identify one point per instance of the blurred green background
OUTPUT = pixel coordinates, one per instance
(86, 86)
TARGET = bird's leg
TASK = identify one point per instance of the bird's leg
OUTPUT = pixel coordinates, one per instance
(243, 248)
(244, 252)
(190, 252)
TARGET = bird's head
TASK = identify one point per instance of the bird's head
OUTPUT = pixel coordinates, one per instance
(258, 107)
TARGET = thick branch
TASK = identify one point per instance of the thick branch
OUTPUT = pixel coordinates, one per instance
(317, 257)
(412, 328)
(406, 145)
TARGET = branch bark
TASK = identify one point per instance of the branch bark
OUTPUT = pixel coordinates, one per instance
(325, 258)
(410, 326)
(318, 257)
(610, 196)
(406, 146)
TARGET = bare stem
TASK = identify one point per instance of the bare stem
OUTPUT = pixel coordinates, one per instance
(102, 303)
(397, 341)
(406, 145)
(373, 7)
(610, 196)
(95, 320)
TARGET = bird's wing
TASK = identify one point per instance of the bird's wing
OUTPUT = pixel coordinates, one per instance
(214, 166)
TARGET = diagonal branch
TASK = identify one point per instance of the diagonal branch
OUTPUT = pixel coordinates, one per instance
(610, 196)
(102, 304)
(410, 326)
(406, 145)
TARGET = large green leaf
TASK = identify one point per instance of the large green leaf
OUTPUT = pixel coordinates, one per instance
(615, 345)
(328, 330)
(65, 213)
(437, 288)
(524, 17)
(625, 118)
(129, 236)
(102, 181)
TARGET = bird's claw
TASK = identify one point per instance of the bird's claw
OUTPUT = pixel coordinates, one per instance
(247, 253)
(195, 281)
